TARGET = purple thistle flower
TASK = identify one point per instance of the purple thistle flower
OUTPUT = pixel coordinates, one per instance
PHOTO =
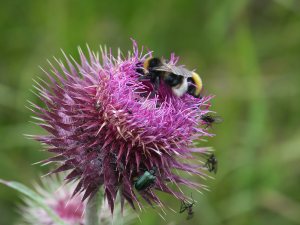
(106, 134)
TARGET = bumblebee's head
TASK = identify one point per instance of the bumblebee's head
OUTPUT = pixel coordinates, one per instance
(152, 62)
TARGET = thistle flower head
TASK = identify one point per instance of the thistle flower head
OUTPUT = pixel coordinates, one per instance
(58, 199)
(106, 134)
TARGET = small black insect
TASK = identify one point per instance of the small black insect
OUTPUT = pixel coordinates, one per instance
(98, 106)
(212, 163)
(143, 95)
(212, 119)
(188, 207)
(130, 112)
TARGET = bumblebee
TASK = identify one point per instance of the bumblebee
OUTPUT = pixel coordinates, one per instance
(175, 77)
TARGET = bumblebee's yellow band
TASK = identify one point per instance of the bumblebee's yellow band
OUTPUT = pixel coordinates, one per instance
(198, 83)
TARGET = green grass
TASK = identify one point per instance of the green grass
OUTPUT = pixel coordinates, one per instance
(247, 53)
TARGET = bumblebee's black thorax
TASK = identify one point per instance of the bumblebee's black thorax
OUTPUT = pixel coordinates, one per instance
(170, 78)
(152, 63)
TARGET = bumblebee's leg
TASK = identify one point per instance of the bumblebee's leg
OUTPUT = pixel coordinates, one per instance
(143, 77)
(156, 85)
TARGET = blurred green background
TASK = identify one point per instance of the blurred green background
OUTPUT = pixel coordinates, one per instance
(248, 55)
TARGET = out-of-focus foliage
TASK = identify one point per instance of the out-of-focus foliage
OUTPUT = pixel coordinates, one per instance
(247, 53)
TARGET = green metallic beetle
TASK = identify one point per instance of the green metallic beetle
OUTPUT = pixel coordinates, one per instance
(146, 180)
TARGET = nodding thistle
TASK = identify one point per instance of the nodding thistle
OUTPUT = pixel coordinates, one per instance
(114, 142)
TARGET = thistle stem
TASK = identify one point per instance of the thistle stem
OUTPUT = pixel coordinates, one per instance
(92, 212)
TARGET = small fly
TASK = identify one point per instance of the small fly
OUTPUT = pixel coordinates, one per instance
(211, 163)
(209, 119)
(97, 106)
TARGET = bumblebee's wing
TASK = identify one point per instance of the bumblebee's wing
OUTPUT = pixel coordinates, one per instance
(190, 216)
(174, 69)
(181, 71)
(218, 119)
